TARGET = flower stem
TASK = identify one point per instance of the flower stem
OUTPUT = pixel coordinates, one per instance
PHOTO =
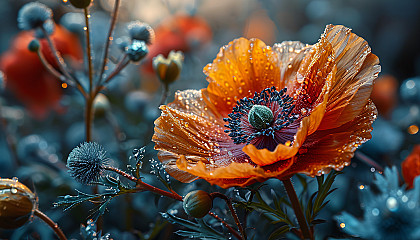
(109, 39)
(144, 186)
(88, 50)
(232, 211)
(297, 209)
(230, 229)
(50, 223)
(60, 62)
(164, 93)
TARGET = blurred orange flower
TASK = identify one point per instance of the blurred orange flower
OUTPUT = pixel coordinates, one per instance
(318, 96)
(385, 94)
(411, 166)
(27, 78)
(178, 33)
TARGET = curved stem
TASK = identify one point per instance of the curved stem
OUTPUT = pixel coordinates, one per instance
(231, 230)
(50, 223)
(60, 62)
(297, 209)
(232, 211)
(109, 39)
(88, 49)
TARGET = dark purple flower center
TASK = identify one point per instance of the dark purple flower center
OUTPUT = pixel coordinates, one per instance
(263, 119)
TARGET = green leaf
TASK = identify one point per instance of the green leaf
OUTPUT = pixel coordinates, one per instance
(200, 229)
(279, 232)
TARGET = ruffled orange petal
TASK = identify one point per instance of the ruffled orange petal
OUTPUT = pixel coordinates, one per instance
(313, 73)
(357, 67)
(334, 148)
(263, 157)
(240, 69)
(235, 174)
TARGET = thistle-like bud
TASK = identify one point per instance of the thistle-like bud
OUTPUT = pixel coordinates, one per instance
(34, 45)
(137, 50)
(168, 69)
(87, 162)
(17, 203)
(141, 31)
(80, 3)
(197, 203)
(33, 16)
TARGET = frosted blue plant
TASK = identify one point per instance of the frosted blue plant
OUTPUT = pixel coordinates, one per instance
(394, 213)
(141, 31)
(35, 16)
(137, 50)
(87, 162)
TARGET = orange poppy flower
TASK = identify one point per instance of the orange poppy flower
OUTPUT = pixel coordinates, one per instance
(28, 79)
(318, 96)
(411, 166)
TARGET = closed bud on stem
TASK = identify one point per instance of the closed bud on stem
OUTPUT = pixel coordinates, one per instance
(197, 203)
(80, 3)
(17, 203)
(168, 69)
(101, 105)
(34, 45)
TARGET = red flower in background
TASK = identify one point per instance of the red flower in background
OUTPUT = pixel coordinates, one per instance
(27, 78)
(385, 94)
(411, 166)
(178, 33)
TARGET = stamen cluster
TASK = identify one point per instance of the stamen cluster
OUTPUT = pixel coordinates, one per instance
(281, 104)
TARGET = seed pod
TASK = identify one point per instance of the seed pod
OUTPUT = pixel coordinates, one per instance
(17, 203)
(197, 203)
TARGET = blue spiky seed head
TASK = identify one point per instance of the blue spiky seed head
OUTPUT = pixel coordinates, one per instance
(34, 15)
(87, 162)
(141, 31)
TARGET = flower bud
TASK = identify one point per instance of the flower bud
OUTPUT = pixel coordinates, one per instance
(80, 3)
(137, 50)
(141, 31)
(17, 203)
(101, 105)
(197, 203)
(168, 69)
(34, 45)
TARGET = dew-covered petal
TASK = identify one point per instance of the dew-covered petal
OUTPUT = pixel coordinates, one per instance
(240, 69)
(188, 127)
(291, 53)
(313, 73)
(357, 67)
(235, 174)
(334, 148)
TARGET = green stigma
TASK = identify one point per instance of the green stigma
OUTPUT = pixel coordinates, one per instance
(260, 116)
